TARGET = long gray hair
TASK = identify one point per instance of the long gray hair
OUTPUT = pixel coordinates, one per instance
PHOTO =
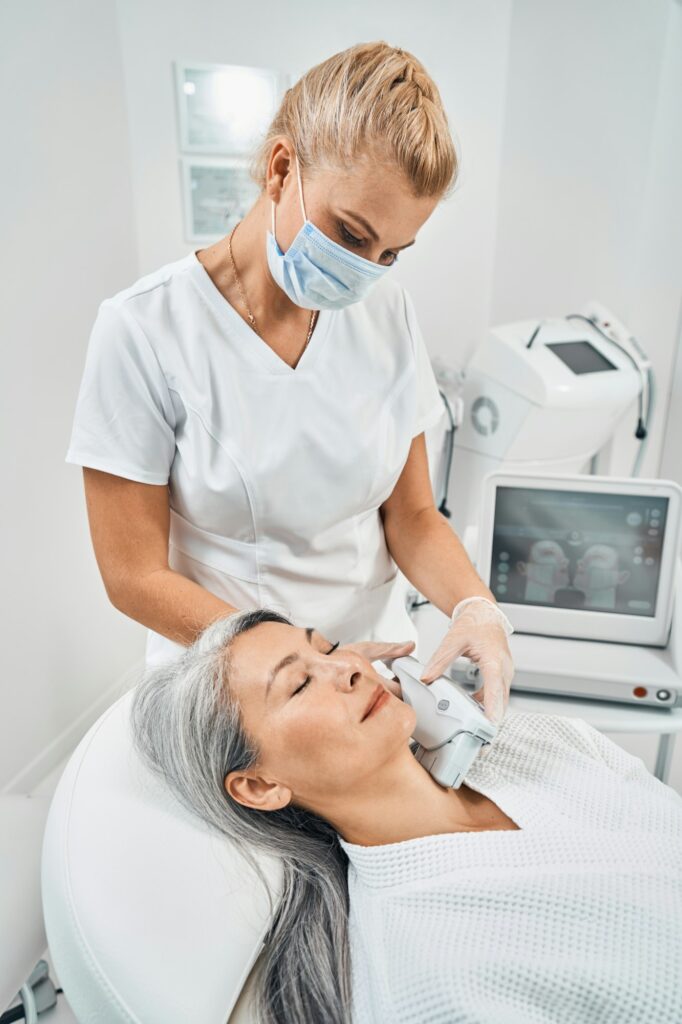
(188, 730)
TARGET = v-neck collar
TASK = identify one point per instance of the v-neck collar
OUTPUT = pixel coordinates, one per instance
(408, 855)
(411, 860)
(251, 345)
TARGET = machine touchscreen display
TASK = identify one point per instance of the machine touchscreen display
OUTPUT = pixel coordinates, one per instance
(573, 549)
(580, 356)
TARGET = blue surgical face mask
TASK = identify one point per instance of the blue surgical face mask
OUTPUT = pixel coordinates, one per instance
(315, 271)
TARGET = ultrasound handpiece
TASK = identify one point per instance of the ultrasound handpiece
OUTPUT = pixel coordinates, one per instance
(451, 726)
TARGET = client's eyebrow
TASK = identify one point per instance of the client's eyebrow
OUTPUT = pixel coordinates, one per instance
(287, 660)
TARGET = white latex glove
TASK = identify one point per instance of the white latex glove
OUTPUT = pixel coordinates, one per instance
(479, 631)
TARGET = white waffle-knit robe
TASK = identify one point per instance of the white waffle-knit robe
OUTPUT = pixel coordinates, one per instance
(576, 918)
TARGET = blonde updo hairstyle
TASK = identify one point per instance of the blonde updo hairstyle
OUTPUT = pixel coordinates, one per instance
(371, 101)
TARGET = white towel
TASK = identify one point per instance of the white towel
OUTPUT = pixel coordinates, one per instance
(576, 918)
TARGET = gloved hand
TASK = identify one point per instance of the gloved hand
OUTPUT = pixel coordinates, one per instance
(379, 650)
(479, 631)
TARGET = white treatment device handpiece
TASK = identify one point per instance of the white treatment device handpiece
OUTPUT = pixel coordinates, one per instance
(451, 726)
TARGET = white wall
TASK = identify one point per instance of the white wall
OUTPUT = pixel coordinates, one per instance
(664, 198)
(671, 458)
(590, 203)
(67, 241)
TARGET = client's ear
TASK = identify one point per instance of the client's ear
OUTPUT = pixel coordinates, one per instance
(257, 792)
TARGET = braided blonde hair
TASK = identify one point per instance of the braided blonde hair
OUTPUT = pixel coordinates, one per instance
(372, 101)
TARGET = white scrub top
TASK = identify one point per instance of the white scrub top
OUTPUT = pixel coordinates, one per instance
(275, 474)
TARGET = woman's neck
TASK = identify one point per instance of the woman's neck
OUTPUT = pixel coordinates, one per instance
(401, 802)
(268, 303)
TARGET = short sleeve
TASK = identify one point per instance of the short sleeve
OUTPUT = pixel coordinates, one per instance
(124, 420)
(429, 402)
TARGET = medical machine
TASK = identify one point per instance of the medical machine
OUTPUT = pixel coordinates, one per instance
(451, 726)
(587, 569)
(547, 397)
(582, 556)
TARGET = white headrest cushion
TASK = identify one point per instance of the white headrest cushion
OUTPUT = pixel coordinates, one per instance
(149, 916)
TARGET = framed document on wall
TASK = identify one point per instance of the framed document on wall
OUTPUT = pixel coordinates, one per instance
(217, 194)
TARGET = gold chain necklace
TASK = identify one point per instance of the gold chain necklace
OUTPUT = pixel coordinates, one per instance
(252, 318)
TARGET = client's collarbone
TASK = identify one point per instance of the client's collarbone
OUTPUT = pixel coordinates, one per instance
(485, 814)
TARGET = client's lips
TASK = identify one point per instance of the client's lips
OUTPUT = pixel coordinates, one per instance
(379, 692)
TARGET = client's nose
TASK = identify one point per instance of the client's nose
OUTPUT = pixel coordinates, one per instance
(346, 669)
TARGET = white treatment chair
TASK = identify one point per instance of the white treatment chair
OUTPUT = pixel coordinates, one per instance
(150, 917)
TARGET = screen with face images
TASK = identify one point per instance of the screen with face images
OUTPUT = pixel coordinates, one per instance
(572, 549)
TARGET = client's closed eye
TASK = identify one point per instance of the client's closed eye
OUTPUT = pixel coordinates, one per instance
(309, 678)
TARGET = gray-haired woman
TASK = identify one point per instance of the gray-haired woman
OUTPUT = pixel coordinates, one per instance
(548, 888)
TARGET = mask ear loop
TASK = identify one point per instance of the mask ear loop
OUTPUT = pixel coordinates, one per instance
(300, 188)
(300, 195)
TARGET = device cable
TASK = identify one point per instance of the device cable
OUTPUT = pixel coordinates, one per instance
(19, 1012)
(449, 443)
(640, 432)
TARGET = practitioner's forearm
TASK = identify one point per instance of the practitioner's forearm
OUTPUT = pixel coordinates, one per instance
(170, 604)
(430, 554)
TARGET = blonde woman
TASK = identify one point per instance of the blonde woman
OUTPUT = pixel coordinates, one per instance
(251, 416)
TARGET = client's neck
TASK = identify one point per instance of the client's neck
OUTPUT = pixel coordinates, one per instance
(400, 802)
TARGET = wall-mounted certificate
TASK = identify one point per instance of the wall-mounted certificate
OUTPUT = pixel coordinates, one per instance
(217, 193)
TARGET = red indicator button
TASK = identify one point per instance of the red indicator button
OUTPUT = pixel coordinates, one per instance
(639, 691)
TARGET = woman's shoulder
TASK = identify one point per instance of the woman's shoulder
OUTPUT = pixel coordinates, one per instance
(541, 733)
(527, 739)
(529, 745)
(149, 283)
